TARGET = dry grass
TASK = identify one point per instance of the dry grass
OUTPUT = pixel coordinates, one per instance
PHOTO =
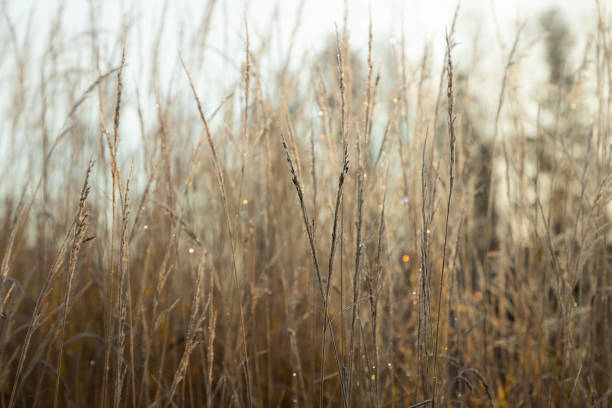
(404, 257)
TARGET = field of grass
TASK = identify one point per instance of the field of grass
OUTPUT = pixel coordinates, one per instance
(365, 230)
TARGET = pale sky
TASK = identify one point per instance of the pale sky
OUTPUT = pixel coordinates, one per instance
(423, 22)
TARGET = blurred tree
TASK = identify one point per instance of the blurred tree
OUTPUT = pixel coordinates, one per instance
(559, 42)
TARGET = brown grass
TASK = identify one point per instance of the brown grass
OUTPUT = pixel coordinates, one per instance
(464, 260)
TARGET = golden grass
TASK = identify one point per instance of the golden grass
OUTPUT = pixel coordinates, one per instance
(401, 258)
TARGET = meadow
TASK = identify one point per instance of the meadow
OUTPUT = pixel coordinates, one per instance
(362, 228)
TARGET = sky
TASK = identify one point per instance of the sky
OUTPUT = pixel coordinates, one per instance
(423, 22)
